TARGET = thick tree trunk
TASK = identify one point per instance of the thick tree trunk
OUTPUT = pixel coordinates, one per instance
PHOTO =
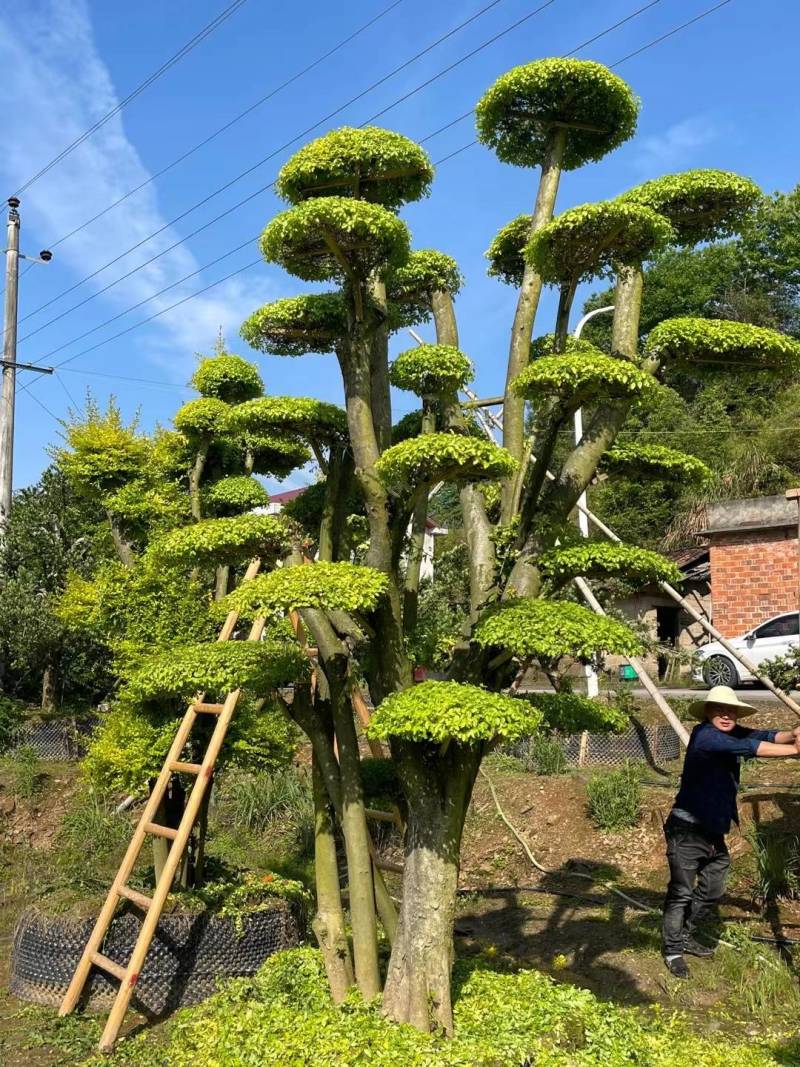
(195, 478)
(123, 548)
(49, 686)
(379, 370)
(437, 788)
(328, 924)
(419, 521)
(527, 304)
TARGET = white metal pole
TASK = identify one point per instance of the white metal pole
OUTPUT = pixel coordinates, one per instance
(592, 681)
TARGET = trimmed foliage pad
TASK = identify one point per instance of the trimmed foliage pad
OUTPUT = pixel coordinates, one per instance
(310, 418)
(584, 374)
(297, 325)
(656, 461)
(443, 457)
(525, 104)
(717, 341)
(569, 713)
(428, 370)
(601, 559)
(452, 711)
(236, 495)
(222, 542)
(328, 586)
(228, 378)
(549, 629)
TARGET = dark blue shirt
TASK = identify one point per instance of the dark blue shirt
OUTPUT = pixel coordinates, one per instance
(710, 778)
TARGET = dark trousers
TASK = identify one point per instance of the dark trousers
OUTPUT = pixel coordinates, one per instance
(698, 866)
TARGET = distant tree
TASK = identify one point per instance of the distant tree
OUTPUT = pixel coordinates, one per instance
(51, 533)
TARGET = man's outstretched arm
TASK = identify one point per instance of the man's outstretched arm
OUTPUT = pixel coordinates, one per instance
(776, 749)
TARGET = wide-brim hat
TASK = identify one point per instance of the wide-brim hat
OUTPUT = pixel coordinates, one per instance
(721, 695)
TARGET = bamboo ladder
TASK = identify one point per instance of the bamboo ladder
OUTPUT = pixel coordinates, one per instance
(154, 906)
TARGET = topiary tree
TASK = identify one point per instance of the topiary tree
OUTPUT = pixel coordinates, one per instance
(184, 510)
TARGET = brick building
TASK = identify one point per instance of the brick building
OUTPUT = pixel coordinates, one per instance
(754, 561)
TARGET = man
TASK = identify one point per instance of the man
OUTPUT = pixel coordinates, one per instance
(702, 814)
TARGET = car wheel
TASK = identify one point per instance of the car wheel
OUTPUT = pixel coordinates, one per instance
(719, 670)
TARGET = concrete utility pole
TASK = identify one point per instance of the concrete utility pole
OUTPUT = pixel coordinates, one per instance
(9, 362)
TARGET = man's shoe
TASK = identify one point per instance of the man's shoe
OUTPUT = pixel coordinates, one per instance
(694, 948)
(676, 965)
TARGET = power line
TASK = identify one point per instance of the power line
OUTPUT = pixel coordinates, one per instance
(463, 148)
(231, 122)
(237, 178)
(192, 43)
(609, 29)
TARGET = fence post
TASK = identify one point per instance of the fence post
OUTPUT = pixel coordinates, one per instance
(583, 748)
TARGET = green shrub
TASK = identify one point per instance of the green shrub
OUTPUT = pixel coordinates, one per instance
(90, 833)
(284, 1017)
(26, 771)
(279, 802)
(11, 716)
(777, 858)
(615, 798)
(760, 978)
(543, 754)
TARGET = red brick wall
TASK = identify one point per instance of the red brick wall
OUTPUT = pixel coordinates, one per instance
(753, 575)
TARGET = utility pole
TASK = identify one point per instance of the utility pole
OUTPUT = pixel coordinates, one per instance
(9, 362)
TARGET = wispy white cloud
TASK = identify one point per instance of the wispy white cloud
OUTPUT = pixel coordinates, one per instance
(677, 146)
(54, 86)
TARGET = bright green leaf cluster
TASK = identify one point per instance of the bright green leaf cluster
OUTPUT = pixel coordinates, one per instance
(424, 273)
(593, 239)
(604, 559)
(228, 378)
(550, 629)
(688, 341)
(142, 508)
(235, 496)
(274, 454)
(310, 418)
(582, 377)
(367, 163)
(443, 457)
(571, 713)
(216, 668)
(430, 370)
(544, 346)
(220, 542)
(332, 237)
(202, 418)
(296, 325)
(506, 253)
(102, 454)
(328, 586)
(657, 461)
(516, 115)
(128, 750)
(701, 205)
(452, 711)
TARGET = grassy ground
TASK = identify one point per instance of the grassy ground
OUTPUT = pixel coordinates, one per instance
(59, 846)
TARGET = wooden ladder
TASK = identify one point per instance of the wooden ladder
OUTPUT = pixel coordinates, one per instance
(120, 890)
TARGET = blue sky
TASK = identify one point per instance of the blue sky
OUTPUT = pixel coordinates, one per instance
(723, 93)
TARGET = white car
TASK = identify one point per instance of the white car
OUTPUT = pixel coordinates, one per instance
(714, 665)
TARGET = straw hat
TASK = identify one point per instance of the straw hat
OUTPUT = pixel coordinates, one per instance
(721, 695)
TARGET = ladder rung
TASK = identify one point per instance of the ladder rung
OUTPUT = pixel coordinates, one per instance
(135, 896)
(99, 960)
(382, 816)
(186, 768)
(387, 865)
(160, 831)
(208, 709)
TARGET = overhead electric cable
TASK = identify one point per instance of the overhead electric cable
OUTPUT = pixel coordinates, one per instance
(463, 148)
(231, 122)
(260, 163)
(198, 38)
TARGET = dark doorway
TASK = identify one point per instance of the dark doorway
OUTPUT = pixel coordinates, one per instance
(667, 630)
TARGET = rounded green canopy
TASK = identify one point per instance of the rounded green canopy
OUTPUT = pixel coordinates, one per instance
(605, 559)
(589, 240)
(550, 629)
(296, 325)
(203, 417)
(506, 253)
(701, 205)
(235, 495)
(596, 108)
(582, 376)
(430, 370)
(718, 342)
(452, 711)
(332, 237)
(327, 586)
(228, 378)
(312, 419)
(223, 541)
(655, 461)
(367, 163)
(445, 457)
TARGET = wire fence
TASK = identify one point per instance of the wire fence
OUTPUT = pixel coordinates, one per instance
(55, 739)
(641, 744)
